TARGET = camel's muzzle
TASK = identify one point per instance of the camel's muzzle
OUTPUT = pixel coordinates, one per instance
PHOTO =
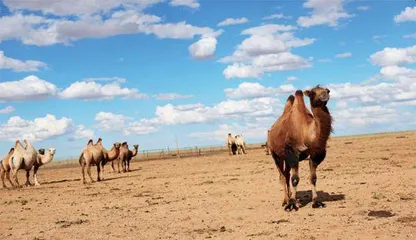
(324, 97)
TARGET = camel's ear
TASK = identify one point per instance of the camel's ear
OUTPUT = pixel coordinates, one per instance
(306, 93)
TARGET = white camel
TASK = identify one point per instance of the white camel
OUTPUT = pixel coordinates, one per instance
(22, 158)
(241, 144)
(42, 159)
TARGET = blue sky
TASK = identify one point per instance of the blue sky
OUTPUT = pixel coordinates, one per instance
(145, 71)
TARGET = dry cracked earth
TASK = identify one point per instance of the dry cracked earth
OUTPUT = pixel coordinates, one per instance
(368, 183)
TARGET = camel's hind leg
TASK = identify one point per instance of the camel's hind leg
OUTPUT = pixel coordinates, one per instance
(89, 172)
(83, 172)
(313, 164)
(284, 178)
(8, 178)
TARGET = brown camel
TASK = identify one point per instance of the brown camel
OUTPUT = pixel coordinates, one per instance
(96, 154)
(110, 156)
(5, 168)
(298, 134)
(126, 155)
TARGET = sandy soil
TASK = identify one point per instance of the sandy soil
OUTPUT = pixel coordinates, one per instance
(367, 182)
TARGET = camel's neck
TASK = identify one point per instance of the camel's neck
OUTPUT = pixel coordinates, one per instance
(134, 152)
(45, 159)
(323, 121)
(113, 153)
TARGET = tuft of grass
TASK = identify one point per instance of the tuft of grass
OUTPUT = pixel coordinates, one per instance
(378, 196)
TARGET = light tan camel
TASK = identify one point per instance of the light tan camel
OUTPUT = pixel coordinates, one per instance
(126, 155)
(43, 159)
(232, 147)
(5, 168)
(298, 134)
(241, 144)
(96, 154)
(22, 158)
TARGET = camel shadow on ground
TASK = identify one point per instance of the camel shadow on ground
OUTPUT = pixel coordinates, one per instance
(119, 177)
(305, 197)
(62, 181)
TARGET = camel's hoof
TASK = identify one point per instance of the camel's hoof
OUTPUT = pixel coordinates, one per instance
(291, 206)
(318, 204)
(99, 180)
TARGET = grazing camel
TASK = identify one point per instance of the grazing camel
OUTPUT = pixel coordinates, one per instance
(5, 168)
(241, 144)
(126, 155)
(96, 154)
(298, 134)
(43, 159)
(232, 147)
(22, 158)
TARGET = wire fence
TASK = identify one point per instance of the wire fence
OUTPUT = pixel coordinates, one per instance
(196, 151)
(169, 153)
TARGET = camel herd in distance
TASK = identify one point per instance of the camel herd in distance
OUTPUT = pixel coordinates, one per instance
(27, 157)
(298, 134)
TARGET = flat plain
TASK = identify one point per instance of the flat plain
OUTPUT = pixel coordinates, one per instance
(367, 182)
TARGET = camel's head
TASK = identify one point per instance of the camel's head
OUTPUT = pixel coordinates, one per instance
(136, 146)
(229, 134)
(117, 145)
(52, 151)
(41, 151)
(319, 96)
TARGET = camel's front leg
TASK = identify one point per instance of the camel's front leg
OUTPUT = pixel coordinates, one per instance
(8, 178)
(118, 165)
(294, 180)
(313, 178)
(229, 149)
(112, 166)
(35, 175)
(27, 178)
(98, 172)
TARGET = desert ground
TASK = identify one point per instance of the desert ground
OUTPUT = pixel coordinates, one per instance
(367, 182)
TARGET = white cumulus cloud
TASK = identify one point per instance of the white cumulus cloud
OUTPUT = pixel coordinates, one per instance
(90, 90)
(29, 88)
(407, 15)
(19, 65)
(38, 129)
(204, 48)
(187, 3)
(7, 110)
(324, 12)
(232, 21)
